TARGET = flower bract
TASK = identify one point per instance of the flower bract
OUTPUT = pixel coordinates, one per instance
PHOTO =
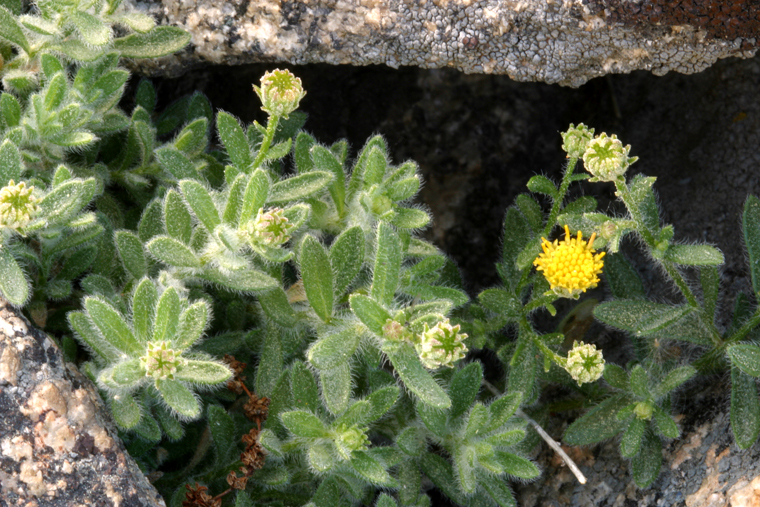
(570, 266)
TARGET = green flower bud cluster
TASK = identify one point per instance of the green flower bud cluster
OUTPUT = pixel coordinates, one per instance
(441, 345)
(280, 92)
(270, 228)
(576, 139)
(606, 158)
(584, 363)
(17, 205)
(159, 361)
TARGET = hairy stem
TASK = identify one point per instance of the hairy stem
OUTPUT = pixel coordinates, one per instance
(560, 197)
(268, 136)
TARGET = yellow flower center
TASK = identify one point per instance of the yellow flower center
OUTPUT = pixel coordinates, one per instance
(570, 266)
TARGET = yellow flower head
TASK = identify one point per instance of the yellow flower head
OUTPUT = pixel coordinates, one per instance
(570, 266)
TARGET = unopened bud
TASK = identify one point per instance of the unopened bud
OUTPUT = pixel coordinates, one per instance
(584, 363)
(606, 158)
(280, 92)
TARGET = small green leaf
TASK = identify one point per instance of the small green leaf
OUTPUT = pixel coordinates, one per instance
(646, 464)
(125, 410)
(674, 379)
(751, 228)
(416, 378)
(347, 257)
(334, 349)
(179, 398)
(500, 492)
(317, 275)
(167, 316)
(192, 323)
(381, 401)
(222, 429)
(745, 409)
(270, 365)
(275, 304)
(161, 41)
(622, 278)
(502, 409)
(255, 195)
(304, 388)
(193, 139)
(324, 160)
(66, 200)
(234, 200)
(179, 223)
(599, 423)
(517, 233)
(199, 200)
(464, 388)
(501, 302)
(709, 279)
(440, 472)
(616, 376)
(233, 138)
(476, 419)
(543, 185)
(88, 334)
(694, 255)
(517, 466)
(10, 110)
(746, 357)
(304, 424)
(371, 313)
(639, 382)
(173, 252)
(92, 30)
(410, 218)
(665, 424)
(506, 439)
(112, 326)
(387, 265)
(11, 31)
(131, 252)
(203, 372)
(12, 282)
(123, 375)
(336, 387)
(176, 163)
(247, 280)
(56, 91)
(369, 468)
(531, 210)
(642, 318)
(299, 187)
(631, 441)
(143, 308)
(302, 152)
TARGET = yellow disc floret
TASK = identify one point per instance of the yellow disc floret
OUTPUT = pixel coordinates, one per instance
(570, 266)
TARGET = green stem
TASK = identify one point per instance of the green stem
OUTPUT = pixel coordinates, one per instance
(553, 356)
(268, 136)
(560, 196)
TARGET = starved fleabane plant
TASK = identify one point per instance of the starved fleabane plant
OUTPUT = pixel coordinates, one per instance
(151, 350)
(338, 361)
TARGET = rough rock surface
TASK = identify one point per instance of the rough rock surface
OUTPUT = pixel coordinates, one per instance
(554, 41)
(58, 447)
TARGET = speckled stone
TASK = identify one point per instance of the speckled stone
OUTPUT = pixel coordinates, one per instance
(58, 447)
(554, 41)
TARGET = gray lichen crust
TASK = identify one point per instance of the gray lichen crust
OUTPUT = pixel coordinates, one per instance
(554, 41)
(57, 446)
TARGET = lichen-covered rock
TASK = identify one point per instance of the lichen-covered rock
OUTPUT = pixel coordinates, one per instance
(58, 447)
(554, 41)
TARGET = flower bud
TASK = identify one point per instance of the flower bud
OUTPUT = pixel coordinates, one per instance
(575, 140)
(159, 361)
(395, 331)
(349, 439)
(584, 363)
(280, 92)
(606, 158)
(17, 205)
(441, 345)
(270, 228)
(643, 410)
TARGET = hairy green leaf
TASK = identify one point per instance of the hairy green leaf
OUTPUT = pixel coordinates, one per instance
(161, 41)
(416, 378)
